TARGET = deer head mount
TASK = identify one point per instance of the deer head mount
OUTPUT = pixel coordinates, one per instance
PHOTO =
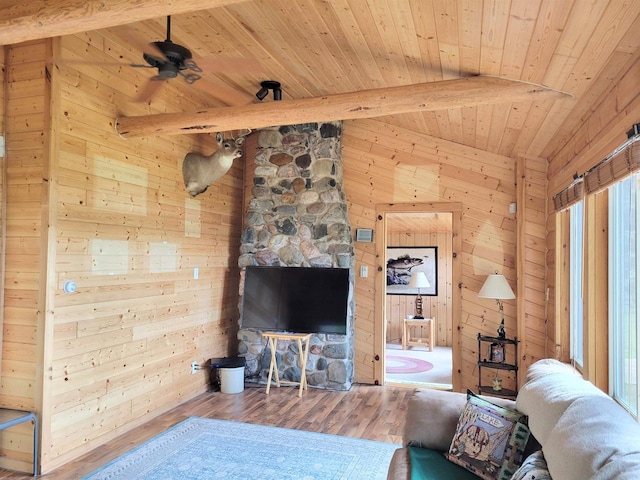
(199, 171)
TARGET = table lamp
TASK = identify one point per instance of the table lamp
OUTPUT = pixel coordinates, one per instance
(419, 280)
(496, 286)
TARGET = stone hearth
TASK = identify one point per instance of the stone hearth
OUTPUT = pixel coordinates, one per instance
(297, 216)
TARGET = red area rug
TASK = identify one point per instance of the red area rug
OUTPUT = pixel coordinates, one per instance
(398, 364)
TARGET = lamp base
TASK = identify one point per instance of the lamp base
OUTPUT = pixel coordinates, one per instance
(501, 331)
(418, 314)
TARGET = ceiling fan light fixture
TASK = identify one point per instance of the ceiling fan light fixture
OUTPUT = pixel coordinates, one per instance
(167, 70)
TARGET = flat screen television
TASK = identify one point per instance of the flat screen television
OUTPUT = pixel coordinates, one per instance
(295, 299)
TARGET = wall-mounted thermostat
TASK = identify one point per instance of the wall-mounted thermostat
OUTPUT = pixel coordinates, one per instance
(364, 235)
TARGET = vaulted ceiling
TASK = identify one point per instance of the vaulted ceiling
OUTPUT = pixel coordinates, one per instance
(317, 48)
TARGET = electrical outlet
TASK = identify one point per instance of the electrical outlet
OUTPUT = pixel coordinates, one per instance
(194, 367)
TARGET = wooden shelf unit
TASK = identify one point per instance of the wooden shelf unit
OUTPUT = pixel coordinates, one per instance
(506, 344)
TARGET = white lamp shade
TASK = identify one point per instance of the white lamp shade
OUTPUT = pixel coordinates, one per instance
(496, 286)
(419, 280)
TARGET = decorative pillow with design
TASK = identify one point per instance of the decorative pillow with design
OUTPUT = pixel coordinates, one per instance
(534, 467)
(489, 439)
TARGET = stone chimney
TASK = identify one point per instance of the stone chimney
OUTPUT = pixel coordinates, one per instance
(296, 216)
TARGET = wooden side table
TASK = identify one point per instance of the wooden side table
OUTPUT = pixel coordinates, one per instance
(408, 340)
(303, 353)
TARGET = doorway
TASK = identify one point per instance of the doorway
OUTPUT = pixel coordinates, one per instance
(410, 356)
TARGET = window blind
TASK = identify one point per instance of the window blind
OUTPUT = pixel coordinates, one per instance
(624, 161)
(570, 195)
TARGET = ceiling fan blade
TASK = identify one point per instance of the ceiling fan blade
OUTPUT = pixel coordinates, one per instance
(147, 92)
(137, 42)
(152, 49)
(224, 93)
(140, 65)
(71, 63)
(227, 64)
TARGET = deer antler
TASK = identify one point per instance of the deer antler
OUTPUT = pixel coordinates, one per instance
(246, 134)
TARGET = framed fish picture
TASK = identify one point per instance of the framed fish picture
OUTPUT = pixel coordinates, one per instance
(402, 262)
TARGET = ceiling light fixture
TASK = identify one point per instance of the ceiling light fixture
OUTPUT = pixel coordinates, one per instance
(267, 85)
(262, 93)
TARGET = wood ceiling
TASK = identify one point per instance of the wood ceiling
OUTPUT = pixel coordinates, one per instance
(317, 48)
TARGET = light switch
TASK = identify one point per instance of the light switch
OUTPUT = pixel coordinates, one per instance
(364, 271)
(196, 273)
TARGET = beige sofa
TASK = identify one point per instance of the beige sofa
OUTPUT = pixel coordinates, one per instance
(583, 433)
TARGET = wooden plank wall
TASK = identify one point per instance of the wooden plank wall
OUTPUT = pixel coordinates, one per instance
(2, 189)
(388, 164)
(118, 351)
(130, 235)
(25, 184)
(438, 307)
(531, 288)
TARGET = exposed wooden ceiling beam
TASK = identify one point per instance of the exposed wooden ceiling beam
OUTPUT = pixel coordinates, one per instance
(22, 20)
(462, 92)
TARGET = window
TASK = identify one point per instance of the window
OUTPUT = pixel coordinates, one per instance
(623, 292)
(576, 317)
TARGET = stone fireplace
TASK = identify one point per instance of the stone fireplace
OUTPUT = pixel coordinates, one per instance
(296, 215)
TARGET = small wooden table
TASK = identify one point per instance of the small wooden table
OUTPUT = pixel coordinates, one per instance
(408, 340)
(303, 353)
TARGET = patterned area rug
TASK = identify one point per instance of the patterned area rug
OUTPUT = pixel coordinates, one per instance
(440, 375)
(201, 448)
(400, 364)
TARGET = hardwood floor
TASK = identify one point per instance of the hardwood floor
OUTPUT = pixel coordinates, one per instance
(365, 411)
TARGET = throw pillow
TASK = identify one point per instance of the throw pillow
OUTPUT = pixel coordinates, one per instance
(489, 439)
(534, 467)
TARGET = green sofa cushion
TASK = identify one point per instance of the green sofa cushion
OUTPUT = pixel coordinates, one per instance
(431, 465)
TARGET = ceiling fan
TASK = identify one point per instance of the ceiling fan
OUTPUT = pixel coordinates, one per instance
(172, 60)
